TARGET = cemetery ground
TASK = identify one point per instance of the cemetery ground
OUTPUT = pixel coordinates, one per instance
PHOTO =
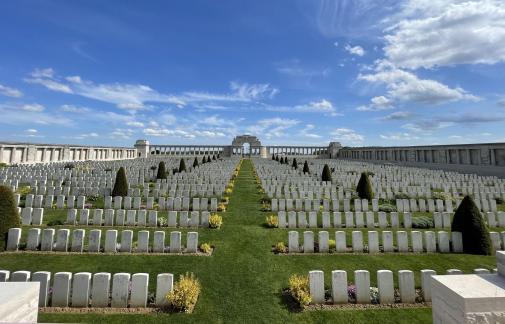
(243, 280)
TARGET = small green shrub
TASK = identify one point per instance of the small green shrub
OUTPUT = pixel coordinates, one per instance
(215, 221)
(499, 200)
(272, 221)
(3, 165)
(299, 289)
(55, 223)
(332, 244)
(387, 208)
(402, 195)
(69, 166)
(185, 293)
(442, 195)
(422, 222)
(280, 247)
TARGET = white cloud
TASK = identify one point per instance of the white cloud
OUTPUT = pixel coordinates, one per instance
(75, 109)
(399, 137)
(322, 106)
(253, 91)
(135, 124)
(32, 107)
(347, 135)
(272, 127)
(307, 132)
(398, 115)
(121, 133)
(377, 104)
(10, 92)
(404, 86)
(31, 130)
(355, 50)
(443, 33)
(27, 114)
(137, 96)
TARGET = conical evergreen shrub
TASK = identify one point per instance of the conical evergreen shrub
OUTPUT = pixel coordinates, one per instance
(468, 220)
(277, 158)
(9, 216)
(326, 175)
(214, 157)
(204, 160)
(208, 159)
(121, 184)
(295, 164)
(195, 163)
(364, 187)
(162, 173)
(273, 157)
(286, 161)
(182, 165)
(306, 167)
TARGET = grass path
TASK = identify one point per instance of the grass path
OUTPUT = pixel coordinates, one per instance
(242, 281)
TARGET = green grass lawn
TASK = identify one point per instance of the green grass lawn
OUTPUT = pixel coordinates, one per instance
(243, 280)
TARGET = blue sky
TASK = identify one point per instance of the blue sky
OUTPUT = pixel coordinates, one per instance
(363, 72)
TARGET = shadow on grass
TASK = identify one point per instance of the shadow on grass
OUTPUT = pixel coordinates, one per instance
(288, 302)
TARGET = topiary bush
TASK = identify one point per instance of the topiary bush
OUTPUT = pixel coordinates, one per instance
(470, 223)
(326, 175)
(182, 166)
(162, 173)
(364, 188)
(295, 164)
(306, 167)
(185, 293)
(195, 163)
(121, 184)
(9, 216)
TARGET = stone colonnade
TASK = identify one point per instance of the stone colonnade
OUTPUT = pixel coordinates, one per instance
(186, 149)
(298, 150)
(492, 154)
(12, 153)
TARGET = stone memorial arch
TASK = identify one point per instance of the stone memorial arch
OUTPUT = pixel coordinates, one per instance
(247, 145)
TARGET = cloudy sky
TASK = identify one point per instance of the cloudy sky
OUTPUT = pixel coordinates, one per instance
(362, 72)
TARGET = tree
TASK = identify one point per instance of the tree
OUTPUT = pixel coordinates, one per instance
(195, 163)
(214, 157)
(9, 216)
(286, 160)
(306, 167)
(182, 166)
(162, 173)
(469, 222)
(277, 158)
(208, 159)
(121, 184)
(326, 175)
(295, 164)
(204, 160)
(364, 187)
(273, 157)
